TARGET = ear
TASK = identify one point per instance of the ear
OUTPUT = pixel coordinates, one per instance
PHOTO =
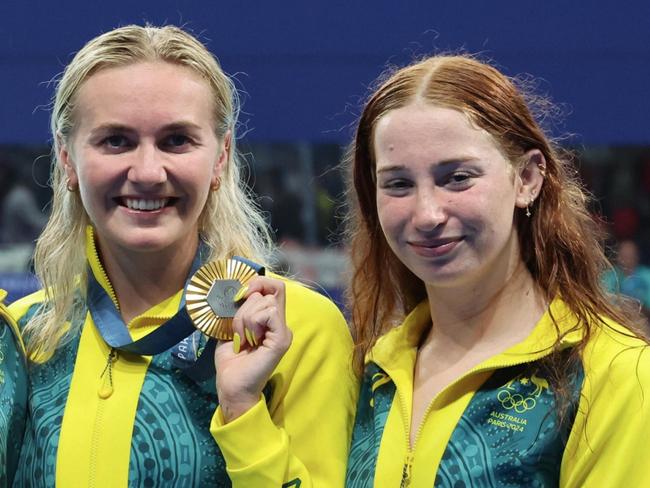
(530, 178)
(224, 157)
(67, 164)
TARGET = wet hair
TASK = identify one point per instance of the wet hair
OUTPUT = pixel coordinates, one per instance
(561, 243)
(230, 222)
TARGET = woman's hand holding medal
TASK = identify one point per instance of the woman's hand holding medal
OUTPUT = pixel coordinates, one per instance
(260, 339)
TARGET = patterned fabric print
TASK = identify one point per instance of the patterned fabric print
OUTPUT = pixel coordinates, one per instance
(172, 444)
(375, 400)
(13, 396)
(509, 436)
(49, 384)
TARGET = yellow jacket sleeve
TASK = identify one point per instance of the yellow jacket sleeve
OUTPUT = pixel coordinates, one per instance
(608, 445)
(300, 436)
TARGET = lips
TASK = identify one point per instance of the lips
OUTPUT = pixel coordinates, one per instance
(435, 247)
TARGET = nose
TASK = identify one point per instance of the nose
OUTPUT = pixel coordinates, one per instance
(147, 166)
(429, 210)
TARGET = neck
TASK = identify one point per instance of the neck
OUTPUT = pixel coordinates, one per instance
(142, 280)
(490, 316)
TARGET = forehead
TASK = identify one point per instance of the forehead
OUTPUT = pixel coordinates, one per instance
(422, 130)
(143, 91)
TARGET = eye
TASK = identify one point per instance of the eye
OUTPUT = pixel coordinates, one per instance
(459, 180)
(116, 141)
(175, 142)
(396, 185)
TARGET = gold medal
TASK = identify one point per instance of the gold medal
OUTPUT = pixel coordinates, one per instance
(210, 292)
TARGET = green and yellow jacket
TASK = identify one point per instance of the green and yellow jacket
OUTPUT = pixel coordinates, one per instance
(13, 394)
(139, 421)
(497, 426)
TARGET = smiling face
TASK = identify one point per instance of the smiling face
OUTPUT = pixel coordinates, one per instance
(144, 155)
(446, 196)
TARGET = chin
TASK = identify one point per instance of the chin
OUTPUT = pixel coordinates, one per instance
(146, 242)
(442, 278)
(145, 245)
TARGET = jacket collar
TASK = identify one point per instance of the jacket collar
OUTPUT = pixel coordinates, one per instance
(96, 266)
(155, 315)
(396, 351)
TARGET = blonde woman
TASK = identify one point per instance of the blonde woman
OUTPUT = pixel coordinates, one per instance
(146, 189)
(491, 355)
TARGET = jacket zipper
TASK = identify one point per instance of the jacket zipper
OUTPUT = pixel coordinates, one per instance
(105, 391)
(408, 460)
(410, 450)
(111, 291)
(406, 471)
(106, 387)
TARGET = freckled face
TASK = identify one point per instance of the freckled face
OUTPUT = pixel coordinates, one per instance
(144, 154)
(445, 196)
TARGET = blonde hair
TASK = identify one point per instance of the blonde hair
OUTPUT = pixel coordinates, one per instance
(231, 222)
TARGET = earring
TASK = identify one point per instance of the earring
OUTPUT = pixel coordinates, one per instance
(531, 199)
(216, 185)
(69, 186)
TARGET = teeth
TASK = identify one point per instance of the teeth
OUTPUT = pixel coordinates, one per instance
(143, 204)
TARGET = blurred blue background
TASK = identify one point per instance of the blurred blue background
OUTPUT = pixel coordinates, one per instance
(304, 69)
(305, 64)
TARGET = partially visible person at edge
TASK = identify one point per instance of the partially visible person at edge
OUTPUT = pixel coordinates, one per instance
(491, 354)
(13, 394)
(628, 277)
(147, 187)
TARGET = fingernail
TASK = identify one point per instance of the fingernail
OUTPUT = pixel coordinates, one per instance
(236, 343)
(240, 294)
(249, 337)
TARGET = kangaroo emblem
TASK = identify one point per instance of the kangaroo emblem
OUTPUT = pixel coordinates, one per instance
(540, 384)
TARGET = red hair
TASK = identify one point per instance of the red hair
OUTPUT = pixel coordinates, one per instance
(561, 244)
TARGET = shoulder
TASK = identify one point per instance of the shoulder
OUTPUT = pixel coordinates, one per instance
(612, 421)
(318, 364)
(313, 317)
(611, 338)
(302, 299)
(617, 360)
(21, 309)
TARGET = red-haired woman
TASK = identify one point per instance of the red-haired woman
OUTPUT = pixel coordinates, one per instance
(491, 355)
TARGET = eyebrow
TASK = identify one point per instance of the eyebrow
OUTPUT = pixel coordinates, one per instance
(174, 126)
(110, 128)
(446, 162)
(183, 124)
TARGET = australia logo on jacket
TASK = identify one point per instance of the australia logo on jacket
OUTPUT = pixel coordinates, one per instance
(517, 397)
(513, 398)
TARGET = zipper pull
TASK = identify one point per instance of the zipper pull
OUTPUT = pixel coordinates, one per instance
(406, 471)
(106, 388)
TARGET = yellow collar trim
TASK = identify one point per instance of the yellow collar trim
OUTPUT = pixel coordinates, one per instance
(96, 266)
(154, 316)
(398, 347)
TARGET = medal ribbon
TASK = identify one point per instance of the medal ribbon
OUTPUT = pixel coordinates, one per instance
(171, 334)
